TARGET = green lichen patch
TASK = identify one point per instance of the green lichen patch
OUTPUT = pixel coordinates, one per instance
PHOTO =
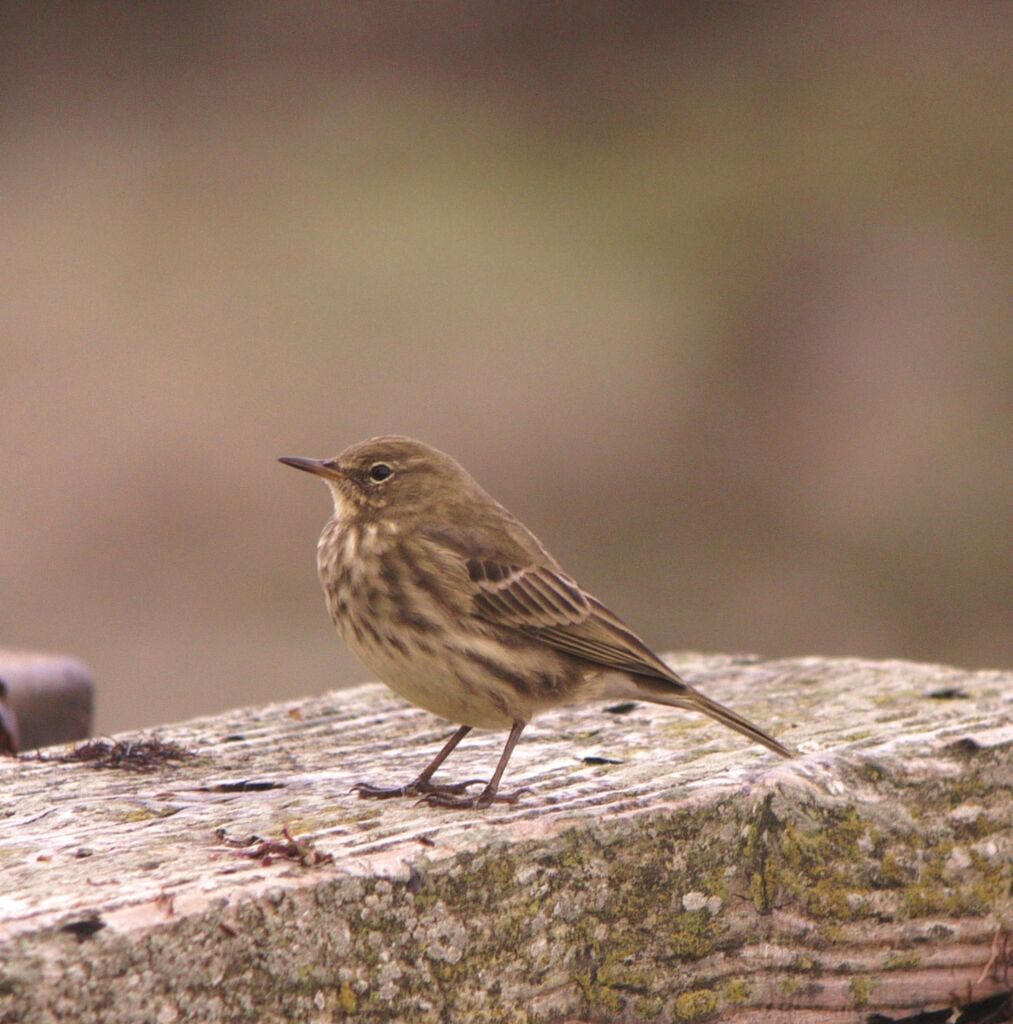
(902, 960)
(696, 1004)
(837, 865)
(736, 992)
(809, 859)
(860, 989)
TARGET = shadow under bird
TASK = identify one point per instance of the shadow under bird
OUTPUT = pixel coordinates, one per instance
(460, 609)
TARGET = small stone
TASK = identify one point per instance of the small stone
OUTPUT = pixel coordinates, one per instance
(527, 874)
(966, 813)
(959, 860)
(988, 849)
(390, 972)
(167, 1013)
(693, 901)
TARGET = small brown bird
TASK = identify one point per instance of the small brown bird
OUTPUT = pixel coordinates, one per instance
(458, 607)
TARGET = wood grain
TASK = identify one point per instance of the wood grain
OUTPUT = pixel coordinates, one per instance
(697, 878)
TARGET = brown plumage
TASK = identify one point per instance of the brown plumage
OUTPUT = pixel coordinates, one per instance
(460, 609)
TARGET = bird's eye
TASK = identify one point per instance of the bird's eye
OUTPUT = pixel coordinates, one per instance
(379, 472)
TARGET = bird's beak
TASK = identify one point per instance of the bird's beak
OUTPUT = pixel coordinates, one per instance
(319, 467)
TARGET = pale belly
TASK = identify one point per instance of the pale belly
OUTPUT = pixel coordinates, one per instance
(430, 682)
(475, 678)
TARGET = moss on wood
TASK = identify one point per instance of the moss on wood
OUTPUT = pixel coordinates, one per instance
(662, 889)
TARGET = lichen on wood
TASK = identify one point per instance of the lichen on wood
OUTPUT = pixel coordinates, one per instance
(697, 878)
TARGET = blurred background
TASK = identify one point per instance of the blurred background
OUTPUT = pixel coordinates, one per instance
(713, 296)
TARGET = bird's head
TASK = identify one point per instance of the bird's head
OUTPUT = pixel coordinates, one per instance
(392, 477)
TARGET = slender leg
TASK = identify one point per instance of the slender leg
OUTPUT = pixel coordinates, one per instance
(422, 784)
(448, 747)
(489, 795)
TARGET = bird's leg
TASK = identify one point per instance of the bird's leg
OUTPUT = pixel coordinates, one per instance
(489, 795)
(422, 785)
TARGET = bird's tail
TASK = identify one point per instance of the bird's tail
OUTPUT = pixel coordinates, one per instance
(694, 700)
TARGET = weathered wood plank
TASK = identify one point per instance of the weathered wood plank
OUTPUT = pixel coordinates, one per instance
(697, 876)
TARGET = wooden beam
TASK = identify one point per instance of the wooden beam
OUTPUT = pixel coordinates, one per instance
(660, 870)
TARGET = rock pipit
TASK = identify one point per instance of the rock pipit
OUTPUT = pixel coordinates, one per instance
(459, 608)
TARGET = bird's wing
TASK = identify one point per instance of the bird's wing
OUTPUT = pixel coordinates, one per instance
(544, 602)
(532, 598)
(508, 579)
(511, 581)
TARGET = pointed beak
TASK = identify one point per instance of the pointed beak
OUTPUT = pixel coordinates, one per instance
(319, 467)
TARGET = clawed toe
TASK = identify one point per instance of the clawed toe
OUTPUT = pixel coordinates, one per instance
(482, 800)
(450, 787)
(507, 798)
(426, 789)
(370, 792)
(452, 794)
(514, 797)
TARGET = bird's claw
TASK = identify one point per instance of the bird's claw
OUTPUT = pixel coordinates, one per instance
(367, 791)
(451, 787)
(482, 800)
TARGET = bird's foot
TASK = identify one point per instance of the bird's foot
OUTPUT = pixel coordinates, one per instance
(484, 799)
(419, 787)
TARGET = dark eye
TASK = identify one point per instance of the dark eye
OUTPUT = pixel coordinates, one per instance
(379, 472)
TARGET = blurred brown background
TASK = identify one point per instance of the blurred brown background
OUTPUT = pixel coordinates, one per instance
(714, 296)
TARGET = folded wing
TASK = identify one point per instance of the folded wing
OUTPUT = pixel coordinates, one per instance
(545, 602)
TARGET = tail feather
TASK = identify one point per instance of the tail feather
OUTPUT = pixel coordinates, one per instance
(694, 700)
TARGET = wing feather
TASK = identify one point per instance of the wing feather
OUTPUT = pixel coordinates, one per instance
(532, 598)
(512, 582)
(512, 588)
(544, 602)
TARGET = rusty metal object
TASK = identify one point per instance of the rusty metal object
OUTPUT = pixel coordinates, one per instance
(44, 699)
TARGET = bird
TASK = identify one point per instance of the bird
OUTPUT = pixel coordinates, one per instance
(461, 610)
